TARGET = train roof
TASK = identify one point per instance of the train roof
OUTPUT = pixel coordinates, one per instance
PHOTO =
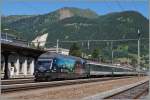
(48, 55)
(107, 65)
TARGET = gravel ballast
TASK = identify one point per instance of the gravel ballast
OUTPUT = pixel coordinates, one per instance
(77, 91)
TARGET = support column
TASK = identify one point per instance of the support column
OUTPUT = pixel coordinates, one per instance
(17, 67)
(32, 67)
(3, 66)
(10, 70)
(6, 70)
(25, 67)
(35, 62)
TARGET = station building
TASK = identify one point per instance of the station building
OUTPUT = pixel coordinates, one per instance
(18, 65)
(18, 57)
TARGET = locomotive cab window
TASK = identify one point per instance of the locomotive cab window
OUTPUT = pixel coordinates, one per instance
(45, 63)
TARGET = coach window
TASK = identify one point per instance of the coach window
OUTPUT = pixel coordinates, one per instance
(110, 69)
(120, 70)
(101, 68)
(104, 68)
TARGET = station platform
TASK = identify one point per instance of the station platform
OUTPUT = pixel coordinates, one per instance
(19, 77)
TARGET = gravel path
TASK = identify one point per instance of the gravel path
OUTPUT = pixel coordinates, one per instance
(72, 91)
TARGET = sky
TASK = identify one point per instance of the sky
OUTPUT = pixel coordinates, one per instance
(30, 7)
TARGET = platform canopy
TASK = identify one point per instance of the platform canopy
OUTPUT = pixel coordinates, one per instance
(21, 50)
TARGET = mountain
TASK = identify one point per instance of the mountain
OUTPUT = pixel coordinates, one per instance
(6, 20)
(30, 26)
(81, 24)
(13, 18)
(67, 12)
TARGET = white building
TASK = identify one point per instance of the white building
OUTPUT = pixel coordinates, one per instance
(60, 50)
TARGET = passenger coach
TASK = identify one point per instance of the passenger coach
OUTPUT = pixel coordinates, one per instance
(97, 69)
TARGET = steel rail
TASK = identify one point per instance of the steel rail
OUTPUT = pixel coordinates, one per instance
(136, 96)
(28, 86)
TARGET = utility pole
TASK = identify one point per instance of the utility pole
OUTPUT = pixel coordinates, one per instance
(138, 69)
(88, 44)
(6, 37)
(112, 57)
(57, 46)
(112, 52)
(82, 44)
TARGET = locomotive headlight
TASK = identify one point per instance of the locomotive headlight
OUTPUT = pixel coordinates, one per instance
(47, 71)
(42, 69)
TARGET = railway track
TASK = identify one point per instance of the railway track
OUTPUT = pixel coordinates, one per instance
(36, 85)
(134, 92)
(17, 81)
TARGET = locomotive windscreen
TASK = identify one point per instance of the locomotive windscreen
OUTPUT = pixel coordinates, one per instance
(44, 65)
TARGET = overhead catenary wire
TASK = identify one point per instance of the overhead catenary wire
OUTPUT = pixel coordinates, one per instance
(104, 40)
(134, 5)
(108, 5)
(119, 5)
(76, 41)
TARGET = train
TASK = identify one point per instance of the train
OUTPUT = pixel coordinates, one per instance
(52, 66)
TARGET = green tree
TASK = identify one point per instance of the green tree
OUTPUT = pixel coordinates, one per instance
(95, 53)
(133, 62)
(75, 50)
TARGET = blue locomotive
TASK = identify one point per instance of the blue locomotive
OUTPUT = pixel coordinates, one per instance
(56, 66)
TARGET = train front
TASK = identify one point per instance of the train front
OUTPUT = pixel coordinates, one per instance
(43, 69)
